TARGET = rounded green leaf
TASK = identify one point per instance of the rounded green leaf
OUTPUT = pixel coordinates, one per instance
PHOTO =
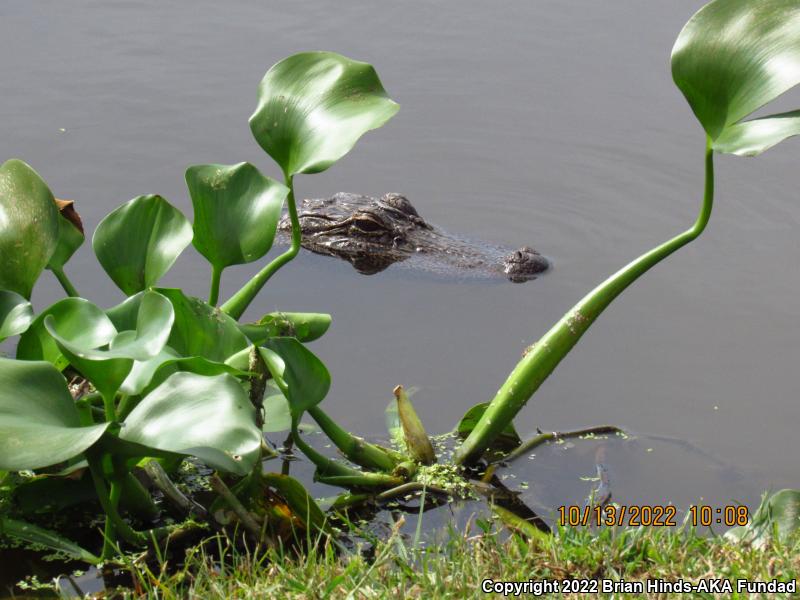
(39, 424)
(78, 320)
(207, 417)
(201, 329)
(313, 107)
(236, 212)
(300, 375)
(107, 368)
(28, 226)
(732, 58)
(16, 314)
(138, 242)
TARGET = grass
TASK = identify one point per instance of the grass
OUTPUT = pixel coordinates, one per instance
(457, 569)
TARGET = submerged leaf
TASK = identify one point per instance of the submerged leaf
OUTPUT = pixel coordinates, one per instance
(313, 107)
(138, 242)
(28, 226)
(732, 58)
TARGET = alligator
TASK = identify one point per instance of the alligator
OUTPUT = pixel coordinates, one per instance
(373, 233)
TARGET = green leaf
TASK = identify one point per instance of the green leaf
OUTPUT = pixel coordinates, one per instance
(778, 514)
(28, 226)
(45, 537)
(508, 438)
(138, 242)
(108, 368)
(306, 327)
(148, 374)
(70, 238)
(313, 107)
(201, 329)
(79, 320)
(39, 424)
(732, 58)
(236, 212)
(16, 314)
(302, 504)
(300, 375)
(207, 417)
(277, 414)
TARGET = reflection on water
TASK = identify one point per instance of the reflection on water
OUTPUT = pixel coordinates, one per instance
(547, 123)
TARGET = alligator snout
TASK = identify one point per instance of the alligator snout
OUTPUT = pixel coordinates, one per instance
(524, 264)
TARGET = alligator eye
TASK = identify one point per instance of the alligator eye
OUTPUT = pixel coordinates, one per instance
(367, 225)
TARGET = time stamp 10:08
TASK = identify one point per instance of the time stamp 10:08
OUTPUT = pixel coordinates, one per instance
(650, 516)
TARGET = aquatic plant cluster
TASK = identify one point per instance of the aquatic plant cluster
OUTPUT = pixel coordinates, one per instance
(99, 400)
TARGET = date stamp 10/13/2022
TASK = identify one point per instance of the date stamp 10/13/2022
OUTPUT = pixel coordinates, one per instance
(651, 516)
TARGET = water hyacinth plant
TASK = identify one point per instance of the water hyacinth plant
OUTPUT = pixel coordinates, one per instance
(164, 376)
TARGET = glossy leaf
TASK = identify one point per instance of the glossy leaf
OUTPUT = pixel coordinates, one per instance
(28, 226)
(138, 242)
(732, 58)
(300, 375)
(70, 235)
(39, 424)
(16, 314)
(207, 417)
(78, 319)
(107, 368)
(277, 414)
(314, 106)
(148, 374)
(236, 212)
(778, 514)
(306, 327)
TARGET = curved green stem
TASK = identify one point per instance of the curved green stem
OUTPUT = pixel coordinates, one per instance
(213, 295)
(545, 355)
(239, 302)
(65, 282)
(353, 447)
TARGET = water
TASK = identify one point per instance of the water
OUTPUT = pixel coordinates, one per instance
(545, 123)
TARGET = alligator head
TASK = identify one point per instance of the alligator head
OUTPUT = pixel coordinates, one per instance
(373, 233)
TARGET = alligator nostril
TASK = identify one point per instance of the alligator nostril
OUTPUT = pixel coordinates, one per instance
(518, 255)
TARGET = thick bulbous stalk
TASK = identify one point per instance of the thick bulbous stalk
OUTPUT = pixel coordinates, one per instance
(239, 302)
(545, 355)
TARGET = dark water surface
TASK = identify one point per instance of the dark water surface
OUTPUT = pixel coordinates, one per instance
(545, 123)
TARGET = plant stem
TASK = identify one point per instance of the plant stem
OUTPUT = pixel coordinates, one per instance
(545, 355)
(65, 282)
(355, 448)
(239, 302)
(110, 409)
(216, 276)
(549, 436)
